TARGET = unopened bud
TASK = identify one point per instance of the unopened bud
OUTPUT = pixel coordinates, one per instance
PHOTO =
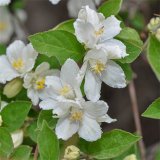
(72, 153)
(17, 138)
(12, 88)
(1, 121)
(130, 157)
(154, 24)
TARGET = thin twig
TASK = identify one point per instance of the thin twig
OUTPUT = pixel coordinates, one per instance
(133, 97)
(36, 153)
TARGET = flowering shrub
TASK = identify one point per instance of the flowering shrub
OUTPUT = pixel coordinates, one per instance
(51, 87)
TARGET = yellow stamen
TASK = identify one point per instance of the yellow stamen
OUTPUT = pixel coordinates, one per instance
(76, 116)
(99, 32)
(3, 26)
(18, 64)
(64, 90)
(40, 84)
(98, 68)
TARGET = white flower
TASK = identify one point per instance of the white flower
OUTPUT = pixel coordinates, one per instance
(4, 2)
(65, 86)
(34, 82)
(92, 29)
(17, 138)
(18, 61)
(6, 27)
(79, 116)
(75, 5)
(99, 68)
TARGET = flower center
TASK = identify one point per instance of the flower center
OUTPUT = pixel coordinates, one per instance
(99, 32)
(64, 90)
(40, 84)
(18, 64)
(76, 116)
(98, 68)
(3, 26)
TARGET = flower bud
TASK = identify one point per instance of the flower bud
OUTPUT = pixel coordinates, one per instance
(154, 24)
(12, 88)
(130, 157)
(72, 153)
(1, 121)
(17, 138)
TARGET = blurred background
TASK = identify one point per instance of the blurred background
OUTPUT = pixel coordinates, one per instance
(42, 16)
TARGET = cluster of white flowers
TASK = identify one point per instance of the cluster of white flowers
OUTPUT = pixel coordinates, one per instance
(60, 90)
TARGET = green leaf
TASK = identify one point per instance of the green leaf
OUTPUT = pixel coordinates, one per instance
(153, 111)
(110, 7)
(6, 144)
(46, 115)
(51, 60)
(58, 43)
(2, 49)
(153, 55)
(21, 153)
(48, 147)
(111, 145)
(133, 43)
(66, 26)
(127, 70)
(14, 114)
(32, 131)
(158, 154)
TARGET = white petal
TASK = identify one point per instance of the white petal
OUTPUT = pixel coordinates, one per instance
(33, 95)
(114, 75)
(47, 104)
(54, 1)
(106, 118)
(66, 128)
(85, 33)
(69, 72)
(114, 49)
(17, 138)
(7, 73)
(89, 129)
(92, 86)
(111, 28)
(5, 18)
(75, 5)
(4, 2)
(96, 109)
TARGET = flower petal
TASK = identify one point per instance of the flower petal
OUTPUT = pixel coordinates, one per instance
(114, 49)
(54, 1)
(7, 73)
(96, 109)
(111, 28)
(106, 118)
(65, 128)
(114, 75)
(4, 2)
(33, 95)
(47, 104)
(92, 86)
(89, 129)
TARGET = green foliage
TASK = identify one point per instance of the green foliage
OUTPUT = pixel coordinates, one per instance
(58, 43)
(21, 153)
(153, 55)
(131, 39)
(6, 144)
(48, 147)
(14, 114)
(111, 145)
(66, 26)
(153, 110)
(2, 49)
(110, 7)
(47, 116)
(157, 156)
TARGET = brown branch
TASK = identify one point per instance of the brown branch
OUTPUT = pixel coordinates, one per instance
(36, 153)
(133, 97)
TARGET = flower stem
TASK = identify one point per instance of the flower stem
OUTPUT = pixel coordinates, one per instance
(36, 153)
(136, 114)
